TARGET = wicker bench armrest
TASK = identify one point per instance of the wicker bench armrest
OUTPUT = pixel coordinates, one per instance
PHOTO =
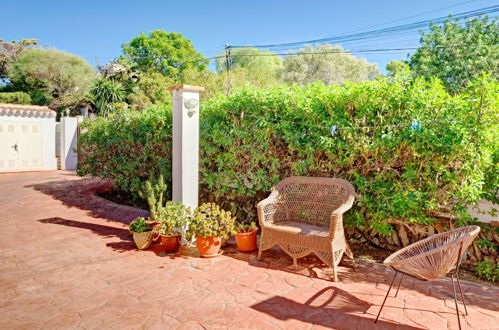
(345, 206)
(337, 215)
(262, 205)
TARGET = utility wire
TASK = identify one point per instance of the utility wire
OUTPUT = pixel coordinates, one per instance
(413, 16)
(380, 32)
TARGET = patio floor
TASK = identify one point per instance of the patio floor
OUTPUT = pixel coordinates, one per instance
(68, 261)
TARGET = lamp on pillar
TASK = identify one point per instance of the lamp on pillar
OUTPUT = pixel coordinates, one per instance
(185, 158)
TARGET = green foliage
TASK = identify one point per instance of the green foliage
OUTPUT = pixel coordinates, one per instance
(395, 68)
(251, 59)
(243, 227)
(54, 72)
(127, 146)
(104, 93)
(254, 138)
(9, 51)
(212, 82)
(153, 192)
(151, 88)
(166, 52)
(328, 64)
(15, 97)
(209, 219)
(458, 53)
(488, 270)
(173, 216)
(139, 225)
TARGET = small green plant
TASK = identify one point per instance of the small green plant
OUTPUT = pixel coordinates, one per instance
(245, 227)
(210, 220)
(488, 270)
(153, 191)
(172, 217)
(139, 225)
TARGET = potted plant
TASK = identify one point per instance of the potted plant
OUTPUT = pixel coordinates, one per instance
(210, 224)
(246, 237)
(172, 217)
(142, 234)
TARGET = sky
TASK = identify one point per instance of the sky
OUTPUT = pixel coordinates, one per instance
(96, 30)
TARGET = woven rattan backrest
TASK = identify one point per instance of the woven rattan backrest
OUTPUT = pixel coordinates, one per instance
(434, 256)
(311, 200)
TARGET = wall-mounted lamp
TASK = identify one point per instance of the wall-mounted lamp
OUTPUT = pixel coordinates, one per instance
(191, 105)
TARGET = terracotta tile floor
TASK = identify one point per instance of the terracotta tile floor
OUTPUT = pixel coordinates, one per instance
(67, 261)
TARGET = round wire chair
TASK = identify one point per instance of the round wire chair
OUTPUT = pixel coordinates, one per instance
(433, 258)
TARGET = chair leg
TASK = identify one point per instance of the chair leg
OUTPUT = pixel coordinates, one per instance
(259, 256)
(335, 272)
(455, 301)
(387, 293)
(295, 263)
(398, 287)
(349, 253)
(461, 291)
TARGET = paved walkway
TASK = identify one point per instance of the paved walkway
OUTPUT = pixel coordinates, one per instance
(67, 261)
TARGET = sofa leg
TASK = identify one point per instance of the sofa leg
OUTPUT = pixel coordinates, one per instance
(349, 253)
(335, 272)
(260, 250)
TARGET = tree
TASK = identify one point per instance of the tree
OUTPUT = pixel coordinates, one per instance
(151, 88)
(252, 59)
(211, 81)
(167, 52)
(9, 51)
(328, 64)
(104, 93)
(458, 53)
(51, 72)
(397, 67)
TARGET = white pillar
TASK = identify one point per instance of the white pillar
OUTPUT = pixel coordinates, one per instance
(69, 142)
(185, 162)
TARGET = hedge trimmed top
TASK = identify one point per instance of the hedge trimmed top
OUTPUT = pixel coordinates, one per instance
(255, 137)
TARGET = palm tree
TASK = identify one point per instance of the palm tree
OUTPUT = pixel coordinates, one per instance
(105, 92)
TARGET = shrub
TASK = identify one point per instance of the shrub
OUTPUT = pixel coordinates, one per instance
(488, 270)
(15, 97)
(252, 139)
(128, 147)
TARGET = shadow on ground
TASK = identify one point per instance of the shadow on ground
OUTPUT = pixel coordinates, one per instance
(81, 194)
(373, 275)
(125, 242)
(330, 307)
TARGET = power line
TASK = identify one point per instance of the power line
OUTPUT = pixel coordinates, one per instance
(380, 32)
(417, 15)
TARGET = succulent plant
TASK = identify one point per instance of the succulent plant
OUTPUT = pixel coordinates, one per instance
(172, 217)
(210, 220)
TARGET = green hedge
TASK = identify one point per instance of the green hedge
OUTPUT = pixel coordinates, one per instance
(255, 137)
(127, 146)
(15, 97)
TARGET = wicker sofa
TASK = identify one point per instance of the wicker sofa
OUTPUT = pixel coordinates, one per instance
(304, 215)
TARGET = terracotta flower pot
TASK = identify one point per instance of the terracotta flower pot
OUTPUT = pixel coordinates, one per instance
(209, 246)
(170, 244)
(143, 240)
(246, 241)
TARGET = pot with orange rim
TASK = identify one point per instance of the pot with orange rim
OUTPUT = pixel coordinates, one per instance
(246, 238)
